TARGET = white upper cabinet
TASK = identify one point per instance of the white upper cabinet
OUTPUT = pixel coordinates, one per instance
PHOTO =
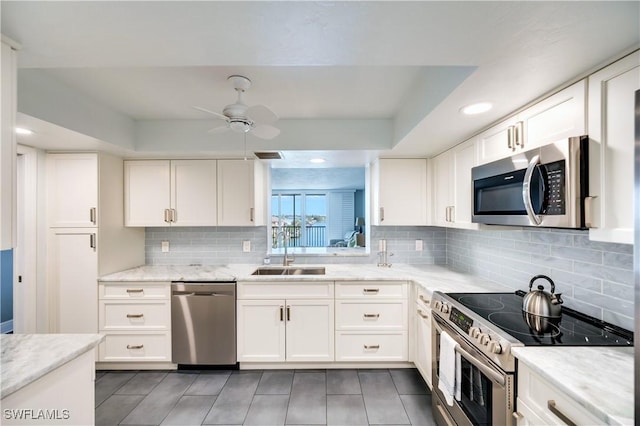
(241, 193)
(176, 193)
(559, 116)
(72, 194)
(8, 75)
(400, 192)
(611, 136)
(452, 205)
(193, 192)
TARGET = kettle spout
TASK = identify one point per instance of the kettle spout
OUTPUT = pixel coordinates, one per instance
(556, 299)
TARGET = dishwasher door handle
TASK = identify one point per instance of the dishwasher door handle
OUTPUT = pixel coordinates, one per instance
(194, 293)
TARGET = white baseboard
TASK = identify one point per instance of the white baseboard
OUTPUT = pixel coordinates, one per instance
(6, 327)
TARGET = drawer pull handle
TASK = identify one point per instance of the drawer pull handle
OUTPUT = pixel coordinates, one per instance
(135, 346)
(372, 346)
(281, 313)
(372, 315)
(371, 290)
(288, 313)
(551, 404)
(135, 315)
(135, 290)
(422, 314)
(425, 300)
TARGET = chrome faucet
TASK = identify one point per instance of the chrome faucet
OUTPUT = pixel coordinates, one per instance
(286, 260)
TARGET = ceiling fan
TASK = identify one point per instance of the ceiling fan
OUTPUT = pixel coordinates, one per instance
(241, 118)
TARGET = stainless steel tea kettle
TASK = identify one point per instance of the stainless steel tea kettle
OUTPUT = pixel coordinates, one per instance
(540, 302)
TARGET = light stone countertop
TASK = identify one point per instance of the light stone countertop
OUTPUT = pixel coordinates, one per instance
(24, 358)
(600, 379)
(579, 371)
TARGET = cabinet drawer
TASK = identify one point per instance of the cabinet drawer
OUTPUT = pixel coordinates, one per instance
(136, 347)
(536, 392)
(124, 315)
(135, 290)
(371, 346)
(285, 290)
(371, 289)
(382, 315)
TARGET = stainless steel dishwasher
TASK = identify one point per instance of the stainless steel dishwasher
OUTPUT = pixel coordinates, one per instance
(203, 323)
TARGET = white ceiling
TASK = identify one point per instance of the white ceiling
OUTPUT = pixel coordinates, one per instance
(393, 73)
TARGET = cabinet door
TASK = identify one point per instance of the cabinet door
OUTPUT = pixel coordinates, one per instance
(442, 200)
(73, 279)
(402, 187)
(261, 330)
(495, 143)
(236, 196)
(193, 192)
(611, 134)
(146, 192)
(72, 190)
(310, 330)
(559, 116)
(423, 342)
(464, 158)
(8, 78)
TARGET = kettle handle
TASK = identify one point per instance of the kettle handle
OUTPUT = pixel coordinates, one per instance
(553, 286)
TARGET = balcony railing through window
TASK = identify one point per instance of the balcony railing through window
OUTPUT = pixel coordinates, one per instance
(313, 234)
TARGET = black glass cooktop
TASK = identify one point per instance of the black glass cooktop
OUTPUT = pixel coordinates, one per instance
(504, 310)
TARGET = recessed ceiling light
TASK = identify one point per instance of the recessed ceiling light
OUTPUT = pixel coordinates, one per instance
(317, 160)
(477, 108)
(23, 131)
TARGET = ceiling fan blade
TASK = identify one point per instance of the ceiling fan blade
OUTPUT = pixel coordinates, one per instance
(219, 129)
(265, 131)
(217, 114)
(260, 114)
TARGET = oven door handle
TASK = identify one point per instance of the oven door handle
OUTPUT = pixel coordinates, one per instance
(488, 371)
(526, 191)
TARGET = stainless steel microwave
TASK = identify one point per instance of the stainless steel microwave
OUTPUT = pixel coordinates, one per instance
(544, 187)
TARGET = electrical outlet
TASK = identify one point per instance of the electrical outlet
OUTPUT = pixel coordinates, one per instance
(246, 246)
(165, 247)
(418, 245)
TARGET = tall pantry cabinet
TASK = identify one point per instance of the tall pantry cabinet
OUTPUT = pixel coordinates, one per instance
(87, 237)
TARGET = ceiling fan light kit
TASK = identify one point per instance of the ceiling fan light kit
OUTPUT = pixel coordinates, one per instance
(240, 118)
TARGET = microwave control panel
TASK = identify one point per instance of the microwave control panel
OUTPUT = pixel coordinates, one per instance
(555, 188)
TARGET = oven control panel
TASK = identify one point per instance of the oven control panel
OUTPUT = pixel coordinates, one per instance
(461, 320)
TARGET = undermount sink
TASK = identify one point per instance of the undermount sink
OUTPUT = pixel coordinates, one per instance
(289, 270)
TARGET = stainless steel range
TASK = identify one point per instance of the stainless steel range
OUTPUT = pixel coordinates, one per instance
(485, 326)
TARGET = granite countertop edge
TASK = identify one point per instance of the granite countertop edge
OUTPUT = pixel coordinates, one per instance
(577, 379)
(26, 358)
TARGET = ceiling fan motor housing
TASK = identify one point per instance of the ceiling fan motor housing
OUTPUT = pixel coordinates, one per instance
(240, 125)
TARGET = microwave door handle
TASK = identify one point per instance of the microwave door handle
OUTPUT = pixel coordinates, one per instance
(526, 191)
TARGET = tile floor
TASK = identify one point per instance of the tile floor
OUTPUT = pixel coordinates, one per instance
(269, 397)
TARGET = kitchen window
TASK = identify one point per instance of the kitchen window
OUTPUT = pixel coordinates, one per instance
(302, 216)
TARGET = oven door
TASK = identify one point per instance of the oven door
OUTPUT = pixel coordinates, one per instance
(487, 394)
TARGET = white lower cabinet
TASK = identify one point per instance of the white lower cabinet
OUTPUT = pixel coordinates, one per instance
(540, 403)
(136, 320)
(422, 334)
(297, 328)
(372, 321)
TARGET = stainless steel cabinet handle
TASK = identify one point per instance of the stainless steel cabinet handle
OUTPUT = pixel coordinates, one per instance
(422, 298)
(551, 405)
(520, 134)
(166, 216)
(422, 314)
(381, 214)
(288, 313)
(281, 313)
(135, 346)
(92, 215)
(452, 213)
(173, 216)
(517, 415)
(372, 346)
(588, 212)
(135, 290)
(252, 214)
(372, 315)
(510, 137)
(92, 241)
(135, 315)
(371, 290)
